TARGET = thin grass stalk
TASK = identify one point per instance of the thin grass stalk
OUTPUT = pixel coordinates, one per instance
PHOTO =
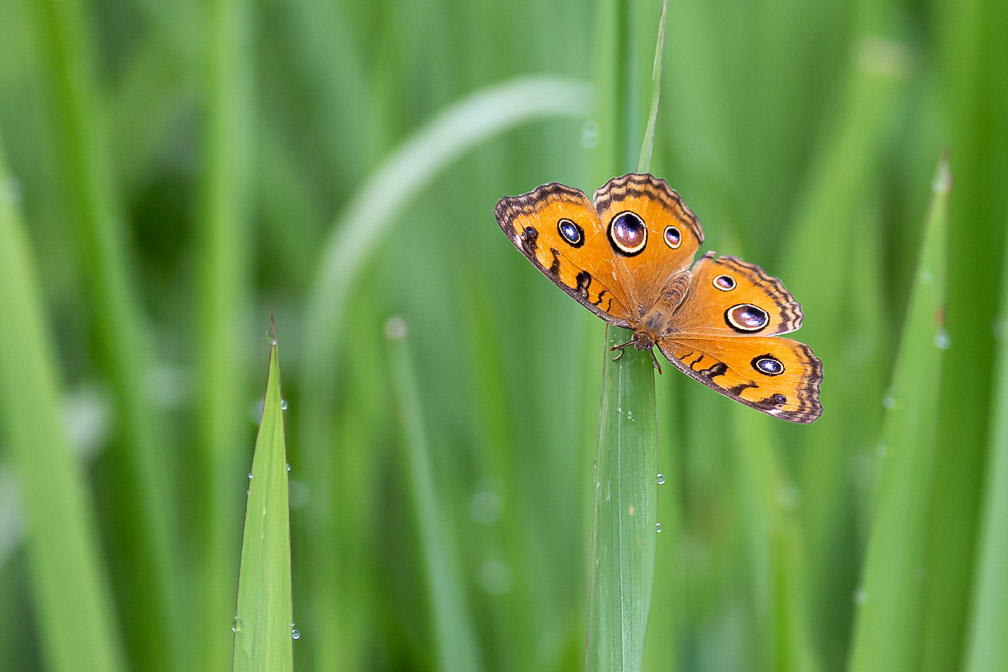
(987, 646)
(75, 618)
(456, 648)
(144, 524)
(625, 498)
(264, 623)
(890, 598)
(224, 248)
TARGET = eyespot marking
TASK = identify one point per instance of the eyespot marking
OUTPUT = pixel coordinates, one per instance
(746, 318)
(769, 365)
(627, 234)
(571, 232)
(673, 238)
(725, 283)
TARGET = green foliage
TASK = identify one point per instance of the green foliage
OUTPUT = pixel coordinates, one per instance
(181, 168)
(263, 625)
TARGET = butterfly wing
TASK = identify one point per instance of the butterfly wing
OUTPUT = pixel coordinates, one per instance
(652, 235)
(728, 297)
(776, 376)
(724, 334)
(556, 227)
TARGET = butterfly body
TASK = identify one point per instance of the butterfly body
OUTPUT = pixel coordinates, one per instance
(627, 255)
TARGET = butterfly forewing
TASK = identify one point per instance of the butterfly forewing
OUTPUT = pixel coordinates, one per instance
(652, 235)
(556, 227)
(777, 376)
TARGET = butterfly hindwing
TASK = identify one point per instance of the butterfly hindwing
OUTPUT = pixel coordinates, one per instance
(777, 376)
(556, 227)
(730, 297)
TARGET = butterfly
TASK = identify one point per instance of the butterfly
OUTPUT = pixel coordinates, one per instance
(627, 256)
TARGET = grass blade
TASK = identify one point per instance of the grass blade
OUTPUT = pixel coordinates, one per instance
(987, 645)
(222, 301)
(264, 617)
(890, 597)
(625, 498)
(145, 570)
(456, 648)
(70, 589)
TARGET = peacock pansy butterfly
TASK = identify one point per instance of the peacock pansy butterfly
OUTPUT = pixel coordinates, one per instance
(627, 256)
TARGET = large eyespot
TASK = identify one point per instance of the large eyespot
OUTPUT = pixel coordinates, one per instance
(672, 237)
(768, 365)
(746, 317)
(628, 234)
(571, 232)
(725, 283)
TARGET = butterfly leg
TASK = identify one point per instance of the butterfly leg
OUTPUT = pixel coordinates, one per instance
(623, 345)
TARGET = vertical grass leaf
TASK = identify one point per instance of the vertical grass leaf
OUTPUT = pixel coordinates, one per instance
(455, 647)
(625, 498)
(987, 646)
(890, 599)
(264, 622)
(71, 592)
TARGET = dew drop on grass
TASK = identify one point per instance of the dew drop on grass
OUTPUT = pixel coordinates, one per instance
(295, 633)
(288, 466)
(250, 475)
(888, 402)
(942, 340)
(236, 625)
(860, 596)
(661, 479)
(658, 527)
(283, 404)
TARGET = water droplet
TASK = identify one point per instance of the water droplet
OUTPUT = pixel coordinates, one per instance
(629, 416)
(485, 507)
(288, 466)
(888, 402)
(661, 479)
(236, 625)
(250, 475)
(860, 596)
(658, 528)
(395, 329)
(283, 404)
(619, 409)
(589, 134)
(295, 633)
(12, 190)
(942, 340)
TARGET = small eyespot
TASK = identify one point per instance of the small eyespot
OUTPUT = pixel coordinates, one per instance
(628, 234)
(571, 232)
(769, 365)
(672, 237)
(725, 283)
(746, 317)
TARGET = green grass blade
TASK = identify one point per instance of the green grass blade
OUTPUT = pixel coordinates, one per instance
(144, 569)
(223, 250)
(625, 499)
(987, 645)
(890, 597)
(456, 649)
(70, 590)
(264, 617)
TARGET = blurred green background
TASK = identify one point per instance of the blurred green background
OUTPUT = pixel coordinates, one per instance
(172, 172)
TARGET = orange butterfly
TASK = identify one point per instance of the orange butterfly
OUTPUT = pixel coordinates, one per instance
(626, 256)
